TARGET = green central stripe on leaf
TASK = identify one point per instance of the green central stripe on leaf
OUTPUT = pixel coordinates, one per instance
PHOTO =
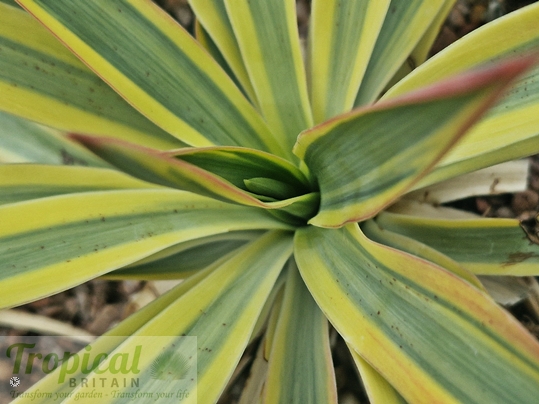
(69, 246)
(22, 182)
(341, 38)
(485, 246)
(405, 23)
(222, 309)
(219, 306)
(22, 141)
(178, 86)
(213, 17)
(86, 92)
(300, 365)
(272, 56)
(121, 333)
(430, 334)
(184, 259)
(41, 80)
(509, 130)
(374, 232)
(365, 159)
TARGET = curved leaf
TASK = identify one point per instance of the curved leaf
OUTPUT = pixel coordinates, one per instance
(42, 81)
(81, 236)
(341, 39)
(300, 364)
(431, 335)
(377, 388)
(239, 164)
(268, 38)
(365, 159)
(374, 232)
(485, 246)
(178, 86)
(508, 131)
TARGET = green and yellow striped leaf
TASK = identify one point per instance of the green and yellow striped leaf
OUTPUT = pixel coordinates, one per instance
(484, 246)
(342, 37)
(365, 159)
(231, 293)
(377, 388)
(48, 245)
(214, 18)
(430, 334)
(423, 47)
(22, 141)
(23, 182)
(273, 319)
(508, 131)
(268, 38)
(272, 305)
(205, 40)
(121, 332)
(405, 24)
(42, 81)
(300, 364)
(179, 86)
(183, 260)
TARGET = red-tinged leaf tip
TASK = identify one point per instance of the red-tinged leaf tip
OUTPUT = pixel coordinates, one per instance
(499, 75)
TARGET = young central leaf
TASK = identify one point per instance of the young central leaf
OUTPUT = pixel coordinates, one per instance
(231, 174)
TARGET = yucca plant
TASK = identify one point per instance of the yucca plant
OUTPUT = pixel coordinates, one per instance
(271, 185)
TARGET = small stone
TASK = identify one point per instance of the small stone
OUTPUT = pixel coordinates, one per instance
(523, 201)
(444, 39)
(108, 316)
(129, 287)
(505, 212)
(456, 18)
(482, 205)
(477, 16)
(534, 183)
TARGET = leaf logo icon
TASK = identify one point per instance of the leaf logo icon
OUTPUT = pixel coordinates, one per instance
(170, 366)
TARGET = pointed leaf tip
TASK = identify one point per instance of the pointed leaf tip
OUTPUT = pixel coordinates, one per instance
(366, 159)
(501, 73)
